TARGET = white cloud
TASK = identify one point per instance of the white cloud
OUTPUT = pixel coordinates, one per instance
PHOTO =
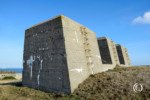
(145, 19)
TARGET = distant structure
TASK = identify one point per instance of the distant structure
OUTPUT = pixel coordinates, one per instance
(60, 53)
(113, 54)
(123, 55)
(108, 51)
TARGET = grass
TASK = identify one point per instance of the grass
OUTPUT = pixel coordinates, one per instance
(116, 84)
(8, 78)
(9, 92)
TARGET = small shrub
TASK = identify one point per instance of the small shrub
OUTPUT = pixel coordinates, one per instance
(9, 78)
(92, 75)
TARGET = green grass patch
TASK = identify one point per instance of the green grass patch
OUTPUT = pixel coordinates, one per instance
(8, 78)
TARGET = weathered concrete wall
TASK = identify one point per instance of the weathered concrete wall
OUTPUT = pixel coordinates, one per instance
(59, 54)
(45, 63)
(104, 51)
(108, 50)
(120, 54)
(83, 56)
(126, 56)
(123, 56)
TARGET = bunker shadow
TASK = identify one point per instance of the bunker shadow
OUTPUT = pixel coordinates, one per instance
(18, 84)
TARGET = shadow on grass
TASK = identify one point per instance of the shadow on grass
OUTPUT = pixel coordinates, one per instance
(18, 84)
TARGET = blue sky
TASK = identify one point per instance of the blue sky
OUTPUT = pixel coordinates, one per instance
(127, 22)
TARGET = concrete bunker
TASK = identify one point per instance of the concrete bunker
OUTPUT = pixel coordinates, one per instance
(104, 51)
(123, 55)
(60, 53)
(120, 55)
(108, 51)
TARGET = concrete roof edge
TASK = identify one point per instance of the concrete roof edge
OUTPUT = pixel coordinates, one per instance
(61, 15)
(103, 37)
(121, 46)
(46, 21)
(77, 23)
